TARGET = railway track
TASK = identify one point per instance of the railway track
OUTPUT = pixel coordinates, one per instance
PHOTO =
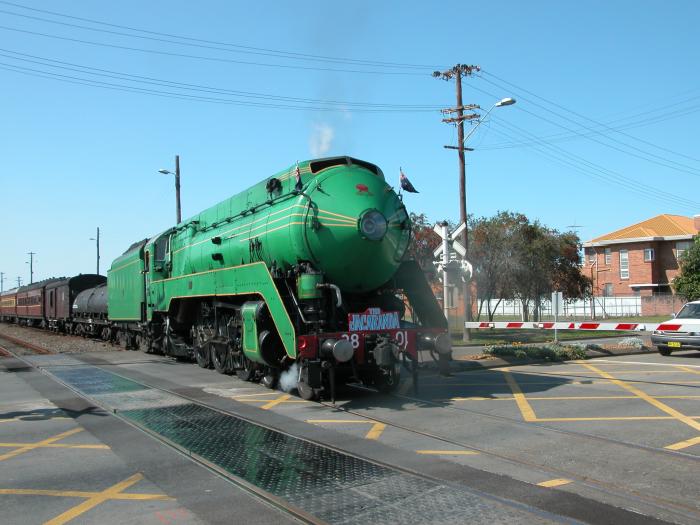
(596, 485)
(36, 349)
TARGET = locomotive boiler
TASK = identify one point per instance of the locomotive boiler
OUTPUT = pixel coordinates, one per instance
(305, 271)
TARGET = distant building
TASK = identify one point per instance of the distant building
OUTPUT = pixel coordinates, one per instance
(641, 259)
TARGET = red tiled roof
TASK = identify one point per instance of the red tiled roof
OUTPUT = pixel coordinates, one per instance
(660, 226)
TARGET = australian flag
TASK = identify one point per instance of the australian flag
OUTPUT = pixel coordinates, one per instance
(406, 184)
(298, 186)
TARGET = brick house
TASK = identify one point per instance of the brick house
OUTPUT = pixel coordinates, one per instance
(641, 259)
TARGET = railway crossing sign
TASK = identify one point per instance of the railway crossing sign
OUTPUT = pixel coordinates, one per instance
(449, 263)
(451, 238)
(449, 260)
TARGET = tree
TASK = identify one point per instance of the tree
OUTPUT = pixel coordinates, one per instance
(491, 243)
(687, 283)
(516, 258)
(567, 276)
(424, 241)
(549, 261)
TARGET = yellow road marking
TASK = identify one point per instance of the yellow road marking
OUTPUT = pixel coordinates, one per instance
(564, 398)
(55, 445)
(686, 369)
(112, 492)
(32, 446)
(541, 383)
(646, 397)
(613, 363)
(236, 397)
(285, 398)
(555, 482)
(81, 494)
(612, 418)
(374, 432)
(448, 452)
(684, 444)
(525, 408)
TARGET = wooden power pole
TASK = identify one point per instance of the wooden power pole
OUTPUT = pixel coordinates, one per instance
(457, 72)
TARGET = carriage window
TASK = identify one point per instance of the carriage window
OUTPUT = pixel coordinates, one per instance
(51, 298)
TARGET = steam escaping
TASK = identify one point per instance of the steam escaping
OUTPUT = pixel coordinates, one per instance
(321, 139)
(288, 379)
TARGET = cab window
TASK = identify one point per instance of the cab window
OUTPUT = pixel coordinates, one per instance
(162, 248)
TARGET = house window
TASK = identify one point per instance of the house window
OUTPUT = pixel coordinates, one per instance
(648, 254)
(624, 265)
(681, 247)
(591, 257)
(608, 256)
(608, 290)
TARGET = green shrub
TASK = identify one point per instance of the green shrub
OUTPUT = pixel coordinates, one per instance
(548, 352)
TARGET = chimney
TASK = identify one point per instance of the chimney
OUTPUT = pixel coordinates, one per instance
(696, 222)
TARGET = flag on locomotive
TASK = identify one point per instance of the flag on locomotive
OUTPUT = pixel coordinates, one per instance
(406, 184)
(298, 185)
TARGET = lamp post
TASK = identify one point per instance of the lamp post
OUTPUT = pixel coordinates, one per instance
(177, 186)
(463, 204)
(503, 102)
(97, 242)
(30, 262)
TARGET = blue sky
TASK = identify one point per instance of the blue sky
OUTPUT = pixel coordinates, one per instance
(603, 134)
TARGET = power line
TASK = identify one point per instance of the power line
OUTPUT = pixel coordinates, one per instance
(217, 47)
(207, 58)
(182, 96)
(668, 163)
(648, 119)
(601, 173)
(59, 64)
(282, 53)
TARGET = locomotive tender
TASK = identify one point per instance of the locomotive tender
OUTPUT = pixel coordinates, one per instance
(304, 271)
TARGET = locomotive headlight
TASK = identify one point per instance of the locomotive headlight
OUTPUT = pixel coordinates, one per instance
(373, 225)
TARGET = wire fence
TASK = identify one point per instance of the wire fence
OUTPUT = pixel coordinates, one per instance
(592, 308)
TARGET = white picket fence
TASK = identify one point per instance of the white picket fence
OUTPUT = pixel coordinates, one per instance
(599, 307)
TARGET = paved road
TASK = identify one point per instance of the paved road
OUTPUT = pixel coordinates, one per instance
(597, 441)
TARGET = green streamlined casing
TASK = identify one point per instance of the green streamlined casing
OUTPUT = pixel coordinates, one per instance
(232, 248)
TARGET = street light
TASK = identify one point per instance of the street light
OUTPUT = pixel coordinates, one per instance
(97, 240)
(508, 101)
(177, 186)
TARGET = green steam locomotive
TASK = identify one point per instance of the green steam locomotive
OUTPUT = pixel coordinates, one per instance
(303, 274)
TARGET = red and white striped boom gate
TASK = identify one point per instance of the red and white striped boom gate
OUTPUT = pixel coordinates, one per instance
(587, 325)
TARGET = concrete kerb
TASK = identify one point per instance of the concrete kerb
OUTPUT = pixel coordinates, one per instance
(464, 365)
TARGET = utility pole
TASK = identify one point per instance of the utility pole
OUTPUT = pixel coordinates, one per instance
(97, 239)
(31, 266)
(457, 72)
(177, 188)
(2, 282)
(19, 281)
